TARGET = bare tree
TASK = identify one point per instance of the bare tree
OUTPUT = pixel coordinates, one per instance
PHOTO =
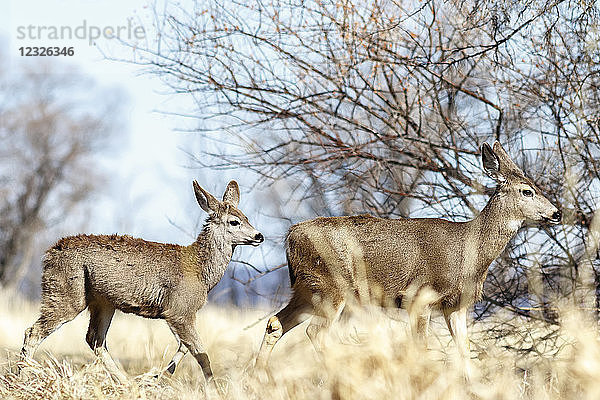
(52, 123)
(381, 107)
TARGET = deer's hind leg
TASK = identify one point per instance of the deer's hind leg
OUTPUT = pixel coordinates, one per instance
(48, 322)
(101, 313)
(419, 324)
(325, 313)
(299, 309)
(62, 300)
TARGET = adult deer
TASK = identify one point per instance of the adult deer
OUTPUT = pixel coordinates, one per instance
(153, 280)
(374, 259)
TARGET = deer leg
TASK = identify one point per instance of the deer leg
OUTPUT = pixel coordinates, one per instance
(456, 319)
(447, 312)
(181, 352)
(420, 325)
(100, 318)
(297, 311)
(62, 300)
(51, 318)
(186, 331)
(40, 330)
(325, 314)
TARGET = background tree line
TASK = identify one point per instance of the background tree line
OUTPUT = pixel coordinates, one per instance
(54, 120)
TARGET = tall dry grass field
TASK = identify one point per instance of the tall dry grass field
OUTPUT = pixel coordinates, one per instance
(367, 356)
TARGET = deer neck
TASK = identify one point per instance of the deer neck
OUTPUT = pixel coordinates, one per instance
(214, 254)
(490, 232)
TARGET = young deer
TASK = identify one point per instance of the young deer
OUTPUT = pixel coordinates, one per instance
(153, 280)
(380, 260)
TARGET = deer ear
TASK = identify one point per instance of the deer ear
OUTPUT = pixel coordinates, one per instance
(491, 163)
(507, 165)
(206, 200)
(232, 194)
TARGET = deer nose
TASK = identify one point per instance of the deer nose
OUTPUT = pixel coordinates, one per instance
(259, 237)
(557, 215)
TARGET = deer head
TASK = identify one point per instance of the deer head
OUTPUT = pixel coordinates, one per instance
(518, 194)
(225, 219)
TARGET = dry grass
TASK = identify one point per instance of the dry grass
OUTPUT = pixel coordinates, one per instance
(367, 357)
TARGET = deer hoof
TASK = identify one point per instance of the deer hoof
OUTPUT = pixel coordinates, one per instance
(274, 326)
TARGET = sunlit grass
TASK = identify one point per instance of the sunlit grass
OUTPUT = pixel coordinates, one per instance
(368, 356)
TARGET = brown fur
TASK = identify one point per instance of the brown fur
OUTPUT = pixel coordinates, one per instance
(105, 273)
(378, 260)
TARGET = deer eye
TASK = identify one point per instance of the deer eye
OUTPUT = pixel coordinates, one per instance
(234, 222)
(527, 193)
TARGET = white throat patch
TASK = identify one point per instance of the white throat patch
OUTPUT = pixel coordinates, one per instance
(514, 224)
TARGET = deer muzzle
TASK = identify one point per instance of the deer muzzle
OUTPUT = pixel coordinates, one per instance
(555, 218)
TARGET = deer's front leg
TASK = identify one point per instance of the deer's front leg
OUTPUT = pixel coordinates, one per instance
(187, 334)
(181, 352)
(456, 319)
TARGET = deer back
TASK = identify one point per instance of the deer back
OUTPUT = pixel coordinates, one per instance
(376, 257)
(135, 275)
